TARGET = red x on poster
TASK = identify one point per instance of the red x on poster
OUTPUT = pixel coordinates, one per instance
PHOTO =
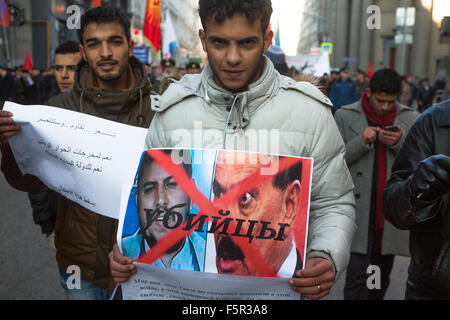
(250, 219)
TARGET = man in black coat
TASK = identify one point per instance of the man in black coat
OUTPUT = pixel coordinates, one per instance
(417, 198)
(424, 95)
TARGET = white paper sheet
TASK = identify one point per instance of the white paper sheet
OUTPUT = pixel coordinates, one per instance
(155, 283)
(86, 159)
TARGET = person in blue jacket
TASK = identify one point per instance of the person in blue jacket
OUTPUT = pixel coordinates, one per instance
(343, 91)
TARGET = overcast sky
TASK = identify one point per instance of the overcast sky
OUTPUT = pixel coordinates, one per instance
(288, 13)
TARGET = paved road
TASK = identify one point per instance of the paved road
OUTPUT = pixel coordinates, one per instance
(28, 269)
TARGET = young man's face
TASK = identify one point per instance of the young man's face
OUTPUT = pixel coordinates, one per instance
(381, 103)
(106, 50)
(65, 66)
(235, 50)
(264, 202)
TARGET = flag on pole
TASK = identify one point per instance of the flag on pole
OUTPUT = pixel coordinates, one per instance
(169, 37)
(369, 70)
(4, 14)
(96, 3)
(28, 64)
(277, 37)
(152, 25)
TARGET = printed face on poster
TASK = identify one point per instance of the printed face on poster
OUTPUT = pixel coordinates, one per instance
(225, 212)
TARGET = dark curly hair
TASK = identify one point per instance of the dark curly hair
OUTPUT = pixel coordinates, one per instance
(223, 9)
(67, 47)
(386, 81)
(104, 15)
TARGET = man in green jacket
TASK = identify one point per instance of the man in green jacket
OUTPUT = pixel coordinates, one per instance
(111, 84)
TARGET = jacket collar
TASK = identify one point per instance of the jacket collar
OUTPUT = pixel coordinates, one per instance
(241, 106)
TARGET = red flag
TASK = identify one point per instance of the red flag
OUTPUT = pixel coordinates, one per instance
(96, 3)
(152, 25)
(369, 70)
(4, 14)
(28, 64)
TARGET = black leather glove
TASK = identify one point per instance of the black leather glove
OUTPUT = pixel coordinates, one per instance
(432, 178)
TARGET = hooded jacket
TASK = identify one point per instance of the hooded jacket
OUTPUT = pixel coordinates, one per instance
(276, 115)
(82, 237)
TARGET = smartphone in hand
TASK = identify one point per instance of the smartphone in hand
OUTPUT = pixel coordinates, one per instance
(391, 128)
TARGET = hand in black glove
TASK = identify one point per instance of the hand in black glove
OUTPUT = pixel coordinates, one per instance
(432, 178)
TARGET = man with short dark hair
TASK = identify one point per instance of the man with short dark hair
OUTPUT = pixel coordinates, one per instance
(109, 83)
(239, 92)
(373, 130)
(67, 56)
(417, 198)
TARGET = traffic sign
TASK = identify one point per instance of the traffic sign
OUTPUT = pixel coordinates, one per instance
(326, 47)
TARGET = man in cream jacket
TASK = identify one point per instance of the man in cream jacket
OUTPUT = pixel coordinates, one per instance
(240, 102)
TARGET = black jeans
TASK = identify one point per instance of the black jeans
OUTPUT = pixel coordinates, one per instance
(356, 279)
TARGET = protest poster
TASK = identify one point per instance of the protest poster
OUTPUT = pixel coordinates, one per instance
(84, 158)
(208, 224)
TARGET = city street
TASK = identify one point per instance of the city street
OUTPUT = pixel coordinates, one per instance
(28, 269)
(27, 266)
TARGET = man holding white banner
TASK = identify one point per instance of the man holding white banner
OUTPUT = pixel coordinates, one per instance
(111, 84)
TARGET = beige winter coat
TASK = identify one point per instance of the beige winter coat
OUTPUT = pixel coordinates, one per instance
(296, 118)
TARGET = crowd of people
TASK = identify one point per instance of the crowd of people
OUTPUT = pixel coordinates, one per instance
(36, 87)
(379, 164)
(420, 95)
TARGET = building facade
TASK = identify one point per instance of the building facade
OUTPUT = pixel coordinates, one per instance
(364, 31)
(44, 27)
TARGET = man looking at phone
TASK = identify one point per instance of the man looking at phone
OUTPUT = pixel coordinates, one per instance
(373, 130)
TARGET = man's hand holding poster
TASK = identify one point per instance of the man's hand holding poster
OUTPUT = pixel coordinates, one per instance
(205, 224)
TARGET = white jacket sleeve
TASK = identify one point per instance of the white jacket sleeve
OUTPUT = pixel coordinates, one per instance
(332, 210)
(155, 135)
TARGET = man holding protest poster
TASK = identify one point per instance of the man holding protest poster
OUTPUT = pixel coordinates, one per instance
(239, 102)
(109, 83)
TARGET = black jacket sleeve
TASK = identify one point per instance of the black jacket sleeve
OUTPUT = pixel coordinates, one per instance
(399, 204)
